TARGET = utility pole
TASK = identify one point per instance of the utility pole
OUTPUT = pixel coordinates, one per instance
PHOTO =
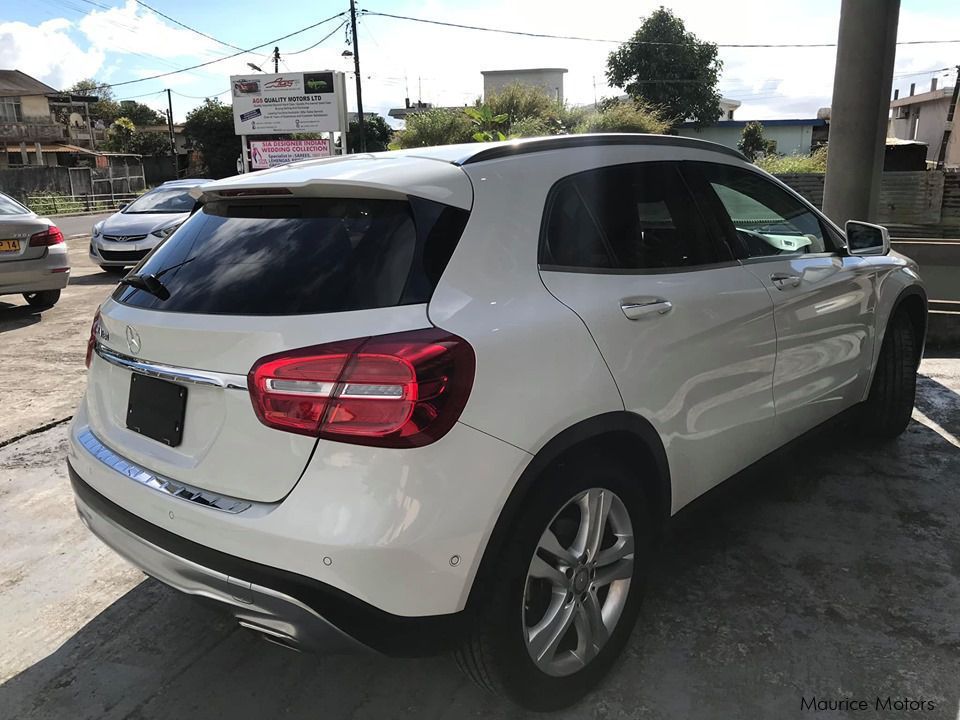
(276, 60)
(356, 72)
(948, 128)
(866, 45)
(173, 140)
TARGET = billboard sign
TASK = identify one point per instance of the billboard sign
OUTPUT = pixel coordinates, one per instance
(270, 153)
(287, 103)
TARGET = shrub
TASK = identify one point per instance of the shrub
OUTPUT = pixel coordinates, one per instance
(532, 127)
(815, 162)
(435, 127)
(624, 117)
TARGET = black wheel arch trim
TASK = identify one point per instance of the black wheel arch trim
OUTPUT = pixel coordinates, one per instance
(591, 429)
(905, 293)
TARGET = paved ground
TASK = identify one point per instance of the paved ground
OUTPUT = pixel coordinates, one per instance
(41, 353)
(73, 225)
(832, 571)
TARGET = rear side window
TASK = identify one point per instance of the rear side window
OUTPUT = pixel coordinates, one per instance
(297, 257)
(627, 217)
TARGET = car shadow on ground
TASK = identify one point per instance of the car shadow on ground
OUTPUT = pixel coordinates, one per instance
(828, 570)
(13, 317)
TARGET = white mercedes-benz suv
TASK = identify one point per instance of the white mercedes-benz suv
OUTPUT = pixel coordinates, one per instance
(446, 399)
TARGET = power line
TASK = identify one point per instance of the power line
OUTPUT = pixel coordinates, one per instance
(318, 42)
(221, 59)
(191, 29)
(200, 97)
(625, 42)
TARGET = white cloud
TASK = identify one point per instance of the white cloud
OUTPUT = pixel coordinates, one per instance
(29, 49)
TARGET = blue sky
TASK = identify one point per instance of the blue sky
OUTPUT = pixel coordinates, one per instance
(61, 41)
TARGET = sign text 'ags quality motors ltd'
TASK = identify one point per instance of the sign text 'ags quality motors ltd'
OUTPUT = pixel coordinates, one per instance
(288, 103)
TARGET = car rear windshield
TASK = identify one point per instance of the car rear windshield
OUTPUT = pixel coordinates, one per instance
(171, 200)
(9, 206)
(296, 257)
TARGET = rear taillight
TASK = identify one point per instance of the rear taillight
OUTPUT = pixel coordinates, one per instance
(401, 390)
(50, 236)
(92, 340)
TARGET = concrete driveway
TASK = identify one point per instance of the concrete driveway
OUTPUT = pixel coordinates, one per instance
(828, 572)
(41, 352)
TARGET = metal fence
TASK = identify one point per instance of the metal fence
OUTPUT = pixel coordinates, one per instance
(58, 204)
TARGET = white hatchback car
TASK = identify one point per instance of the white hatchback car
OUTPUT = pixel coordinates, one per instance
(446, 398)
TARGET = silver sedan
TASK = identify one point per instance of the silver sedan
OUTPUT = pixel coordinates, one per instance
(33, 255)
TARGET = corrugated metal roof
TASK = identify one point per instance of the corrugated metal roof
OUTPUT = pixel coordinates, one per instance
(57, 148)
(14, 83)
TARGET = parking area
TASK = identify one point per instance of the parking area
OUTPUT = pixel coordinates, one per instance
(830, 571)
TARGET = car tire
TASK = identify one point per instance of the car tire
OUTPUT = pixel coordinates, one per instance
(502, 639)
(889, 406)
(114, 270)
(42, 298)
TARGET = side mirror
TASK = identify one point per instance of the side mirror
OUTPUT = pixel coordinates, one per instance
(867, 239)
(121, 206)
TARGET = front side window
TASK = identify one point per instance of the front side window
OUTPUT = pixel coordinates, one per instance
(766, 219)
(626, 217)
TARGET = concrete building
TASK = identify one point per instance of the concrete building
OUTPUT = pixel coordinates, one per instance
(550, 79)
(791, 136)
(923, 117)
(40, 126)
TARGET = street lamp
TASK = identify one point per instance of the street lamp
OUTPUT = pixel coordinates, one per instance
(254, 67)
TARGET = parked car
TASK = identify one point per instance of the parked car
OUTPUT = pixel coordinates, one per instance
(33, 255)
(447, 398)
(125, 238)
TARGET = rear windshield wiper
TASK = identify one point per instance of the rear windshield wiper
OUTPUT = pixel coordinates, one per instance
(151, 283)
(148, 283)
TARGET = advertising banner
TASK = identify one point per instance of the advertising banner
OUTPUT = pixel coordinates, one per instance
(270, 153)
(286, 103)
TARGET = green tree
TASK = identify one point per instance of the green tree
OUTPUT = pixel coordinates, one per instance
(210, 128)
(435, 127)
(141, 114)
(150, 144)
(669, 68)
(486, 123)
(119, 135)
(753, 144)
(376, 131)
(624, 117)
(107, 109)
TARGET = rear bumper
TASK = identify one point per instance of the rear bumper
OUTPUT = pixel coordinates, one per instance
(50, 272)
(291, 609)
(278, 616)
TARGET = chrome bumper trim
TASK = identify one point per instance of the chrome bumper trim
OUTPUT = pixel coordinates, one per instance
(180, 490)
(274, 614)
(169, 372)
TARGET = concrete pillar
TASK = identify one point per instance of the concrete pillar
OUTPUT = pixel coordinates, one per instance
(866, 49)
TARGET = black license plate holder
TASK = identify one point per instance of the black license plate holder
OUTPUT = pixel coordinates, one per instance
(156, 408)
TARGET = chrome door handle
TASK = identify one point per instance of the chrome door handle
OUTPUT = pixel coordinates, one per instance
(639, 308)
(785, 280)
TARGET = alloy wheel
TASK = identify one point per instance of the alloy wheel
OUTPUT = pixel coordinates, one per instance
(578, 582)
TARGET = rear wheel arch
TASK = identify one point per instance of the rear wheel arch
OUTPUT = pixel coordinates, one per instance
(623, 435)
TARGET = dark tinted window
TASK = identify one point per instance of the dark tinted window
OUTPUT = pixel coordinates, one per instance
(766, 219)
(301, 257)
(630, 217)
(171, 200)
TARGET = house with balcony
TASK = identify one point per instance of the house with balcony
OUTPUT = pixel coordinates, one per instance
(41, 126)
(925, 117)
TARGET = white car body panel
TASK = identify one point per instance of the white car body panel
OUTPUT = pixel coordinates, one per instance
(730, 374)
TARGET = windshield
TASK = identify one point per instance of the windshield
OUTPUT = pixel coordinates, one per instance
(9, 206)
(170, 200)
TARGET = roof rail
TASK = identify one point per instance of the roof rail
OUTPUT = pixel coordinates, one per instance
(558, 142)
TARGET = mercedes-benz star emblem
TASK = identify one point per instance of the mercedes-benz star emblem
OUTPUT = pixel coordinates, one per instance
(133, 340)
